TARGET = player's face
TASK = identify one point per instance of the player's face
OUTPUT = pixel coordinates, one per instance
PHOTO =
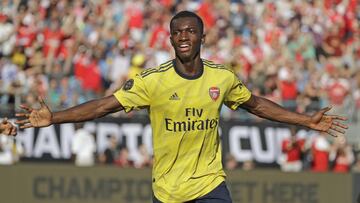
(186, 38)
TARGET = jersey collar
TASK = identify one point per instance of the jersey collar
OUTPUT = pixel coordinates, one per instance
(194, 77)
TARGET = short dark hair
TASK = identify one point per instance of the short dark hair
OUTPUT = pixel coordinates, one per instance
(184, 14)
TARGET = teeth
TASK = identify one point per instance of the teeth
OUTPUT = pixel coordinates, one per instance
(184, 45)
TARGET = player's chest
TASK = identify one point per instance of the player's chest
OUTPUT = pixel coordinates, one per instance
(184, 94)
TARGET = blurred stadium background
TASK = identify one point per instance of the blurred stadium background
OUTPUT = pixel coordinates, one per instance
(304, 55)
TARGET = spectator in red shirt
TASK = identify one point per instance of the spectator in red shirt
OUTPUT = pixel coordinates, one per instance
(343, 159)
(123, 159)
(288, 86)
(338, 89)
(332, 44)
(92, 80)
(80, 61)
(135, 14)
(52, 39)
(26, 35)
(320, 153)
(293, 148)
(159, 36)
(87, 71)
(205, 11)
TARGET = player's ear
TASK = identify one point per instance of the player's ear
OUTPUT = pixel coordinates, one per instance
(171, 41)
(203, 39)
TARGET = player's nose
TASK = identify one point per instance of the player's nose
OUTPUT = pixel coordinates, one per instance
(184, 36)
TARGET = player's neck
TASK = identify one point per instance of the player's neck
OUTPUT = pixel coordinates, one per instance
(189, 68)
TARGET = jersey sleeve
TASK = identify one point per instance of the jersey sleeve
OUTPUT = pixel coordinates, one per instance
(133, 94)
(237, 94)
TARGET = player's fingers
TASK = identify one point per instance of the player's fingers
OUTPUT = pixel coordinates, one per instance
(324, 110)
(336, 117)
(22, 121)
(341, 125)
(26, 126)
(42, 102)
(333, 127)
(26, 108)
(13, 131)
(27, 115)
(331, 133)
(20, 114)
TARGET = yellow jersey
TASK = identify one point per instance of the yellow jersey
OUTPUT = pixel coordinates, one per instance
(184, 115)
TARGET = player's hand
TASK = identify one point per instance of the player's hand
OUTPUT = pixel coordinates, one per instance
(328, 123)
(35, 117)
(7, 128)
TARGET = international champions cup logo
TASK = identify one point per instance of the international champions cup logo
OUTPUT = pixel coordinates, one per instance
(214, 93)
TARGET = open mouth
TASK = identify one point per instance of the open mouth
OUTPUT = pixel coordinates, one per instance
(184, 47)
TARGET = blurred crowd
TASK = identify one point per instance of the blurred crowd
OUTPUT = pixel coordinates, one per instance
(85, 152)
(301, 54)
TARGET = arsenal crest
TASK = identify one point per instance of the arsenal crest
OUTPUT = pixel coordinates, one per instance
(214, 93)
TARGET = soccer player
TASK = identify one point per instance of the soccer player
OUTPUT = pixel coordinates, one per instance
(184, 97)
(7, 128)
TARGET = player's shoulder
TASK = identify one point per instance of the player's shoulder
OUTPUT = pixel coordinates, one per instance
(159, 69)
(217, 67)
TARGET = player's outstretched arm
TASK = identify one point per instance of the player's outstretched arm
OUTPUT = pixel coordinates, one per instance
(7, 128)
(43, 116)
(320, 121)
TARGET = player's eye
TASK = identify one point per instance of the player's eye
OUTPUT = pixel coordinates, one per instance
(192, 31)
